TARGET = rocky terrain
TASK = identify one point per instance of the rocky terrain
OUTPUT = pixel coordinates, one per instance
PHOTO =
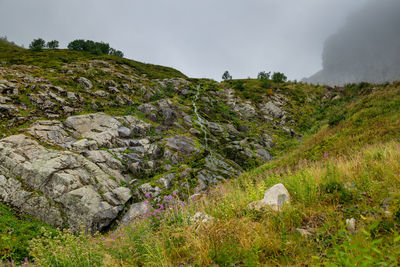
(85, 142)
(147, 167)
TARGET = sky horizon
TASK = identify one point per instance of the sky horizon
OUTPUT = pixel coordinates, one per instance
(200, 39)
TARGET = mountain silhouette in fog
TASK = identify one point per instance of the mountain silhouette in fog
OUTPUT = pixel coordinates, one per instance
(366, 49)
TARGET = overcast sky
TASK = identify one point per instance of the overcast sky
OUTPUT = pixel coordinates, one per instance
(201, 38)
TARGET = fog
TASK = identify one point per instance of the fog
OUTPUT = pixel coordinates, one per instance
(367, 48)
(200, 38)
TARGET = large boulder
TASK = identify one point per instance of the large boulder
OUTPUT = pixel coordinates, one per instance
(274, 198)
(85, 83)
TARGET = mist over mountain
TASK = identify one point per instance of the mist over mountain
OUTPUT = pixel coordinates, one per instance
(365, 49)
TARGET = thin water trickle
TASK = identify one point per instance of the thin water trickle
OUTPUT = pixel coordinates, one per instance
(200, 120)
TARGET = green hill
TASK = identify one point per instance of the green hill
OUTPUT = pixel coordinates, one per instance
(195, 153)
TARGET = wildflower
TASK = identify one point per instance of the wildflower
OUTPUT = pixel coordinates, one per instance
(147, 195)
(325, 155)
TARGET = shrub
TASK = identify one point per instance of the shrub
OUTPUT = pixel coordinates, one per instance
(279, 77)
(52, 44)
(37, 44)
(116, 53)
(264, 75)
(226, 76)
(98, 48)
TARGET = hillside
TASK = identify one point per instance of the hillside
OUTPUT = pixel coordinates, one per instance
(109, 145)
(344, 188)
(86, 138)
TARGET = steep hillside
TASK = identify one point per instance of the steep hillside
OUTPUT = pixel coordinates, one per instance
(103, 144)
(85, 139)
(343, 181)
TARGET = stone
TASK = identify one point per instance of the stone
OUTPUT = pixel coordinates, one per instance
(85, 83)
(147, 190)
(71, 96)
(101, 93)
(51, 132)
(274, 198)
(271, 111)
(135, 212)
(202, 218)
(6, 109)
(147, 108)
(194, 131)
(182, 144)
(263, 154)
(124, 132)
(303, 232)
(166, 180)
(99, 127)
(351, 225)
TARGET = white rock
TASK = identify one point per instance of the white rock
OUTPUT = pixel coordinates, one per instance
(201, 217)
(351, 225)
(303, 232)
(274, 198)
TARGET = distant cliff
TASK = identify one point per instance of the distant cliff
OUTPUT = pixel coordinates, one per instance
(366, 49)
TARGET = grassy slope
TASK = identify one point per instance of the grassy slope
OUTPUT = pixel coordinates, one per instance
(357, 178)
(15, 231)
(52, 59)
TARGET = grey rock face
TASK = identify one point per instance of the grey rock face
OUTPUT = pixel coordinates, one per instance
(124, 132)
(271, 111)
(52, 132)
(180, 148)
(70, 183)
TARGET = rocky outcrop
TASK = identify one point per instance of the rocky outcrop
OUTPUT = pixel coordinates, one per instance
(95, 169)
(77, 191)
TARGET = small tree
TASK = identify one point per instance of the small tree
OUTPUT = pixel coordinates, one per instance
(53, 44)
(264, 75)
(79, 45)
(116, 53)
(279, 77)
(226, 76)
(37, 44)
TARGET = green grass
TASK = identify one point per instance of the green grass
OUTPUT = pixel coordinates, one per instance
(15, 232)
(54, 59)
